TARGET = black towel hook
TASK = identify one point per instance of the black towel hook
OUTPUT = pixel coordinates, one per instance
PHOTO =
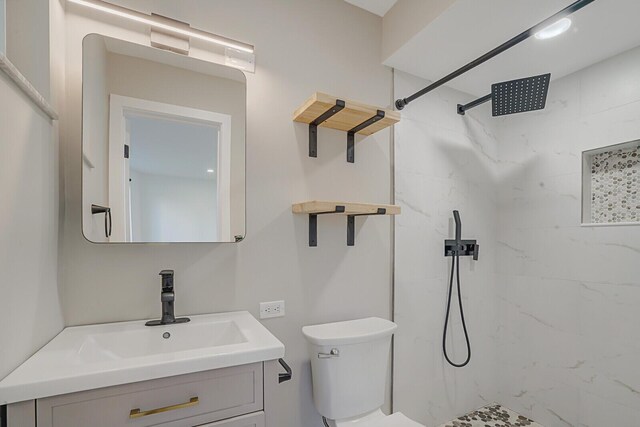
(97, 209)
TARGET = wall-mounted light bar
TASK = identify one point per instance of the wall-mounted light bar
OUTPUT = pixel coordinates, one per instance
(159, 24)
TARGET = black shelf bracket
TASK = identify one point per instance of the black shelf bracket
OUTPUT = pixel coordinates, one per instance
(313, 224)
(351, 225)
(351, 135)
(313, 126)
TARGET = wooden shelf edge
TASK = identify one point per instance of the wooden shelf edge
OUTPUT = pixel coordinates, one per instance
(350, 208)
(353, 114)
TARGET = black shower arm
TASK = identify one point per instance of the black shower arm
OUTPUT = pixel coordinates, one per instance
(479, 101)
(574, 7)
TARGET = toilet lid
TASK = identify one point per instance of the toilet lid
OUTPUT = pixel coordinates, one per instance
(396, 420)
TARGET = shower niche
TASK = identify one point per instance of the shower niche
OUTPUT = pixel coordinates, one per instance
(611, 185)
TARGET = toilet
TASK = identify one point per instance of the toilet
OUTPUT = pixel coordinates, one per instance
(349, 364)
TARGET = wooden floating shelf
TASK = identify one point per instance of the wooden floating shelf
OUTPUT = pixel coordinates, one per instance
(349, 116)
(350, 210)
(316, 207)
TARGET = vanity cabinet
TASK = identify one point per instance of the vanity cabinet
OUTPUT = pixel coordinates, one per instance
(229, 397)
(252, 420)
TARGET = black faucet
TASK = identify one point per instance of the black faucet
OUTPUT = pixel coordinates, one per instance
(459, 247)
(167, 298)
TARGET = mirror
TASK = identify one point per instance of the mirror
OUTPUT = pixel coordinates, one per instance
(163, 146)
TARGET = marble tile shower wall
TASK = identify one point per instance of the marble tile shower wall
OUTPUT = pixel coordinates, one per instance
(443, 163)
(552, 305)
(568, 296)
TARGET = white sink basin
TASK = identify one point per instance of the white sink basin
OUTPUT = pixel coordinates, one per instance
(123, 341)
(89, 357)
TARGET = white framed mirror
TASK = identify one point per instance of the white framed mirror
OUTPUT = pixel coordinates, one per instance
(163, 146)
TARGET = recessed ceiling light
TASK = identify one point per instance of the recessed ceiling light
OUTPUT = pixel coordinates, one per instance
(554, 29)
(210, 171)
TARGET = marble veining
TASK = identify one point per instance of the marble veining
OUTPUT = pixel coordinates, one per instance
(552, 305)
(443, 162)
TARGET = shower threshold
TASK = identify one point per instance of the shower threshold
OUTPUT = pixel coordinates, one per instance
(493, 415)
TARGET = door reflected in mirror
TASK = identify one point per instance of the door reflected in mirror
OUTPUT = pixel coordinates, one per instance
(163, 146)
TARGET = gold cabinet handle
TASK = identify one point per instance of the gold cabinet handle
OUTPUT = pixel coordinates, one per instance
(137, 413)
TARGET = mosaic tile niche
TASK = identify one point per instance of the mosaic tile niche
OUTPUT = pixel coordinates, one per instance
(613, 184)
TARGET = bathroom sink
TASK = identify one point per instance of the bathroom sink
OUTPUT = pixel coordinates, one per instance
(130, 341)
(95, 356)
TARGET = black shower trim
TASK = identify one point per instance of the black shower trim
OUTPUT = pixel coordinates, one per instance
(574, 7)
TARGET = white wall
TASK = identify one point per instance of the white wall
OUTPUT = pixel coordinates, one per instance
(3, 27)
(28, 223)
(443, 162)
(27, 41)
(569, 295)
(301, 47)
(554, 303)
(406, 19)
(95, 130)
(173, 209)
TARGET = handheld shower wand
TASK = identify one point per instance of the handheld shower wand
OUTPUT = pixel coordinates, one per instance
(456, 218)
(457, 248)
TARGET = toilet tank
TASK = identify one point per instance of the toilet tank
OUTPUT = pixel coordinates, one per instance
(352, 381)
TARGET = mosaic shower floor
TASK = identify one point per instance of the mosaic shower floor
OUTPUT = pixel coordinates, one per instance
(491, 416)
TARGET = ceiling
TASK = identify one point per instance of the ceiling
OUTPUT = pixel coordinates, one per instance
(168, 147)
(379, 7)
(470, 28)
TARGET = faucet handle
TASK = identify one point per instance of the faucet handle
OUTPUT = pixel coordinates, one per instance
(167, 279)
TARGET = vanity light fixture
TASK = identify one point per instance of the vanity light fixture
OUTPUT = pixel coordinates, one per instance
(554, 29)
(159, 24)
(210, 170)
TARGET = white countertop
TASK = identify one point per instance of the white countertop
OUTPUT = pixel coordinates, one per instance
(89, 357)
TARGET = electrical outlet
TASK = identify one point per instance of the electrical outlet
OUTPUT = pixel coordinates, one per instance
(271, 309)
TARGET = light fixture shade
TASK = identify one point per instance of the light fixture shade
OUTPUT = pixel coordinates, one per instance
(160, 24)
(554, 29)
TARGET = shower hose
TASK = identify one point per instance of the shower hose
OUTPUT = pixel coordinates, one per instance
(455, 269)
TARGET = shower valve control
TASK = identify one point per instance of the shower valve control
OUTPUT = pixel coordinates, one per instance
(463, 248)
(458, 247)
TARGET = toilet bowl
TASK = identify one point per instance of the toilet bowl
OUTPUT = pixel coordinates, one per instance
(349, 365)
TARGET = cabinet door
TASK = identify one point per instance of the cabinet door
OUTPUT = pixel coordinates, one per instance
(186, 400)
(251, 420)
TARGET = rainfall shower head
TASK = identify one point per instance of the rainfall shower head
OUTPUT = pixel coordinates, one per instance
(515, 96)
(518, 96)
